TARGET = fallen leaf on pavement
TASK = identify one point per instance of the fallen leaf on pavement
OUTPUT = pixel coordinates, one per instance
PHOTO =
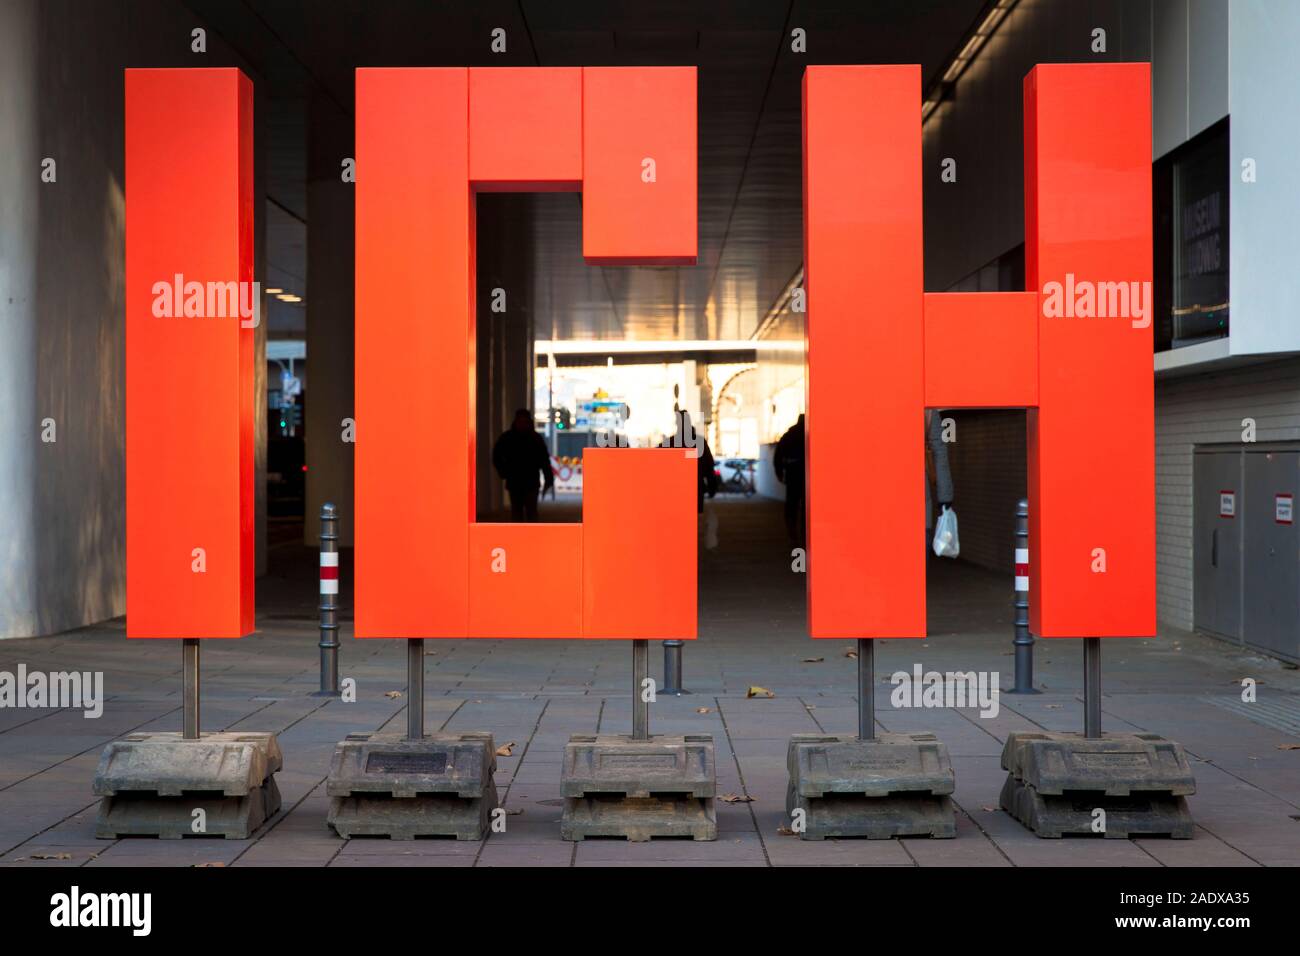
(757, 691)
(215, 863)
(392, 693)
(813, 660)
(784, 831)
(506, 750)
(990, 809)
(736, 798)
(51, 856)
(1288, 746)
(704, 710)
(852, 655)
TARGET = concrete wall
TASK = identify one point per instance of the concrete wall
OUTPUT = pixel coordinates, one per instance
(1202, 409)
(1264, 281)
(62, 504)
(19, 220)
(1189, 70)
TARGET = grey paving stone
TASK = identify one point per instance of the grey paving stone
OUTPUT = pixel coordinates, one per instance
(538, 693)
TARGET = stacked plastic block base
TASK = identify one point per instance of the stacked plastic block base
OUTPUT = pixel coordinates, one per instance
(890, 786)
(441, 785)
(615, 786)
(160, 784)
(1117, 785)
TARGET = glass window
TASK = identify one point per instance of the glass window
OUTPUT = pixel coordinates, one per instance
(1193, 216)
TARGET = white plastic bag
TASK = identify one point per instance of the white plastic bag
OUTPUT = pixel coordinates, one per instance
(946, 544)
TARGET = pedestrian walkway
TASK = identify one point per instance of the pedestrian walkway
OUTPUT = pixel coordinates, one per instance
(533, 694)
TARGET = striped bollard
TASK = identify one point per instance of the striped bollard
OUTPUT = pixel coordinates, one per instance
(329, 591)
(1023, 641)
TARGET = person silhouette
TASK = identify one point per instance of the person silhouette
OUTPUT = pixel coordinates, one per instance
(520, 458)
(788, 463)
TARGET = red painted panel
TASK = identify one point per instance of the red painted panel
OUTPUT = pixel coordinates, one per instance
(629, 115)
(525, 128)
(525, 580)
(414, 373)
(981, 349)
(1092, 441)
(863, 255)
(639, 543)
(189, 465)
(425, 138)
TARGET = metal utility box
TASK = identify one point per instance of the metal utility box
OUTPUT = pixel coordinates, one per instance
(1216, 552)
(1246, 550)
(1271, 575)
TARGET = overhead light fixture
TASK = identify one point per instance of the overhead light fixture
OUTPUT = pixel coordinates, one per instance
(289, 298)
(273, 291)
(976, 42)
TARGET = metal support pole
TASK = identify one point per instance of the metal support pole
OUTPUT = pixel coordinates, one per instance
(1023, 640)
(329, 602)
(673, 669)
(640, 706)
(1092, 687)
(415, 688)
(866, 689)
(190, 687)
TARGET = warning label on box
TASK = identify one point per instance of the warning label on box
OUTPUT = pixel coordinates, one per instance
(1227, 504)
(1283, 508)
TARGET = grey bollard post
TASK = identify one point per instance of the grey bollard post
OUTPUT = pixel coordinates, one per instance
(329, 602)
(673, 669)
(1023, 640)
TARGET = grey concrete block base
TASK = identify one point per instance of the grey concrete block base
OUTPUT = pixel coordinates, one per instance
(893, 785)
(152, 784)
(1115, 764)
(384, 784)
(405, 818)
(1056, 783)
(614, 786)
(173, 818)
(1139, 814)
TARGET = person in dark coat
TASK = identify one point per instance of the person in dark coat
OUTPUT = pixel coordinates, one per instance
(788, 463)
(520, 458)
(707, 469)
